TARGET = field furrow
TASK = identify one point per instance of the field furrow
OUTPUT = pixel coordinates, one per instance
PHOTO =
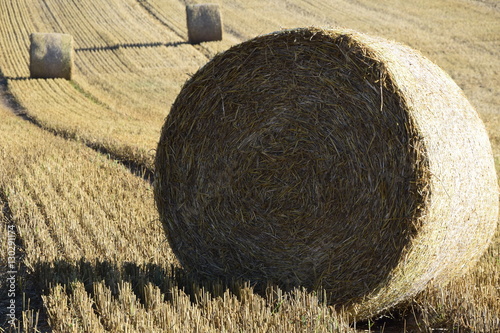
(121, 96)
(132, 79)
(57, 105)
(50, 184)
(170, 13)
(99, 23)
(15, 27)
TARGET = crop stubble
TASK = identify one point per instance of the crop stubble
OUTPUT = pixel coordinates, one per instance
(120, 106)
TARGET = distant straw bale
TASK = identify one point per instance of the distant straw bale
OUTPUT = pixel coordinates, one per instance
(51, 55)
(204, 23)
(326, 158)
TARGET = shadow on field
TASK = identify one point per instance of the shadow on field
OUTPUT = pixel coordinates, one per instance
(49, 274)
(129, 45)
(6, 97)
(168, 279)
(18, 292)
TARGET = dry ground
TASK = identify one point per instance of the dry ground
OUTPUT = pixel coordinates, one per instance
(90, 246)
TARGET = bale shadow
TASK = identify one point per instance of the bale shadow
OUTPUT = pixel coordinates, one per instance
(167, 278)
(129, 45)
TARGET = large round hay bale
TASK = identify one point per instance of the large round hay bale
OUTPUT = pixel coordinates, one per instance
(326, 158)
(51, 55)
(204, 23)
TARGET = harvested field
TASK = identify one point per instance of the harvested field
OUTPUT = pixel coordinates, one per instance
(90, 248)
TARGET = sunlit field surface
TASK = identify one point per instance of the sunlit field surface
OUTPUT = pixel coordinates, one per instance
(91, 254)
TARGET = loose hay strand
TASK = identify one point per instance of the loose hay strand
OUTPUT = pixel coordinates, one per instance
(318, 158)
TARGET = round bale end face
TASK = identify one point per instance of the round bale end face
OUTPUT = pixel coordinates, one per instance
(204, 23)
(316, 158)
(51, 55)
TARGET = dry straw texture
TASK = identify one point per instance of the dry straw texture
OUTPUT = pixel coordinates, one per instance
(326, 158)
(204, 23)
(51, 55)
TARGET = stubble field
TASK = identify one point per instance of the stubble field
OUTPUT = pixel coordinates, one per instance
(76, 159)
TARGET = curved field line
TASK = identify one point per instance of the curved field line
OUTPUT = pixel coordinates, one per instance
(63, 188)
(15, 28)
(137, 84)
(113, 22)
(170, 13)
(57, 106)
